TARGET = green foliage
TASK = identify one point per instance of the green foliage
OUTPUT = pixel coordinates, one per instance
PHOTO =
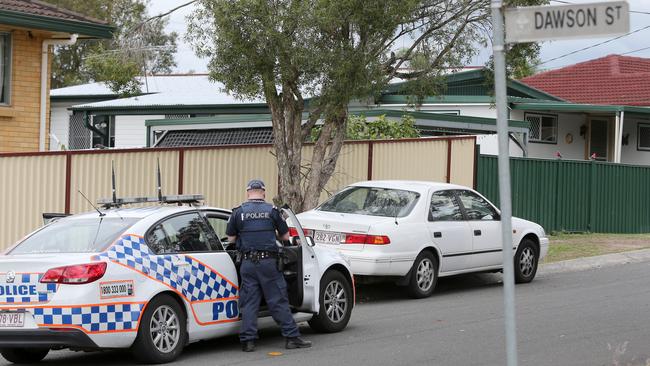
(359, 128)
(136, 48)
(330, 48)
(522, 59)
(118, 74)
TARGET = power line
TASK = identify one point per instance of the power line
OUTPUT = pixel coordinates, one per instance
(595, 45)
(570, 3)
(639, 50)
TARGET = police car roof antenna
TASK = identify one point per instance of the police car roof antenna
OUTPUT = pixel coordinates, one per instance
(101, 214)
(160, 196)
(113, 182)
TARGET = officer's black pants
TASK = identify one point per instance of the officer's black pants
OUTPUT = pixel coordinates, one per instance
(259, 279)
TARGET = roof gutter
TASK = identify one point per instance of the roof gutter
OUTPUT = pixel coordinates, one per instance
(44, 82)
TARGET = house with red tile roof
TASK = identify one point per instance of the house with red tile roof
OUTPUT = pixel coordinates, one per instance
(614, 91)
(613, 79)
(28, 31)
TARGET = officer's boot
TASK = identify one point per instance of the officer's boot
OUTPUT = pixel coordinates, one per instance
(248, 346)
(297, 342)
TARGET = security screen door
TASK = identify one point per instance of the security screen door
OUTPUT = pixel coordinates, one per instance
(599, 138)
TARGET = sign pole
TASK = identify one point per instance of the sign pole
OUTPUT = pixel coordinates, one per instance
(498, 49)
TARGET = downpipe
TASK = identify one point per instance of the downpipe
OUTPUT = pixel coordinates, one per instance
(44, 82)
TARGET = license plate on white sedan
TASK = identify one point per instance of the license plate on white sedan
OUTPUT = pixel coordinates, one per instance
(327, 237)
(12, 320)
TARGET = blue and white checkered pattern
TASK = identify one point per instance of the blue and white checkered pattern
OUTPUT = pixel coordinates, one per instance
(44, 291)
(92, 318)
(196, 282)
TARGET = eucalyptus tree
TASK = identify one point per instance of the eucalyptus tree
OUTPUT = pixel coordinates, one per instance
(314, 57)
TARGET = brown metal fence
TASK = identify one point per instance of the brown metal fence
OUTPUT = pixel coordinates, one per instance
(34, 183)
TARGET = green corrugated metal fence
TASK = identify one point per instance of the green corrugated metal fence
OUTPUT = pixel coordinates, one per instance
(566, 195)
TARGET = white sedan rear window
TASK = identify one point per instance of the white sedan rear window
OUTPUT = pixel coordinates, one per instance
(372, 201)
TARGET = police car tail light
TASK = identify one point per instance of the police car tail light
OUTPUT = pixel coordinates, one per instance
(75, 275)
(366, 239)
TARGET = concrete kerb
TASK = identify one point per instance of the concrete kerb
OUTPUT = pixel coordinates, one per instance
(601, 261)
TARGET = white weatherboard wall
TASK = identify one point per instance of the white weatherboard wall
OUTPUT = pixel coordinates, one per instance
(630, 154)
(59, 125)
(130, 131)
(467, 109)
(489, 145)
(475, 110)
(568, 123)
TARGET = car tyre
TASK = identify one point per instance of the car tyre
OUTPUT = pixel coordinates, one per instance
(526, 261)
(162, 332)
(24, 355)
(423, 276)
(336, 302)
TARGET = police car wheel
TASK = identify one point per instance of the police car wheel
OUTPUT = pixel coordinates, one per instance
(162, 332)
(335, 303)
(423, 276)
(24, 355)
(526, 260)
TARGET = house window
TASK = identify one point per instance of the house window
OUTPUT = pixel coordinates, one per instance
(644, 137)
(5, 68)
(543, 127)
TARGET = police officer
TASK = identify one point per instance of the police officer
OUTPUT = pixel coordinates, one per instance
(253, 226)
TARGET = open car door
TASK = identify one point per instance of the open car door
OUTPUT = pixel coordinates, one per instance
(310, 276)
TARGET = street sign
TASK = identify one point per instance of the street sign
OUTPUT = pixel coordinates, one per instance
(540, 23)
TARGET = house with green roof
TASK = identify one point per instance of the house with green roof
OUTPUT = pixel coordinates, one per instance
(557, 128)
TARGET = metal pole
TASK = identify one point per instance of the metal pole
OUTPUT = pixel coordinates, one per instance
(504, 181)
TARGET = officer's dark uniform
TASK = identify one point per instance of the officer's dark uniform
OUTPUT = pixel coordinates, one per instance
(255, 223)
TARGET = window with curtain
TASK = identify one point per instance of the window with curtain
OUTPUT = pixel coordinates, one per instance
(5, 67)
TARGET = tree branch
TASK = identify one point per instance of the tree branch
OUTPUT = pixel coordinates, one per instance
(159, 16)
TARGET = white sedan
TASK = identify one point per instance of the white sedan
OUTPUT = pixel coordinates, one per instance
(151, 279)
(415, 232)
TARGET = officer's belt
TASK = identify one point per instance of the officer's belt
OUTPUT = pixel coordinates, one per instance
(260, 254)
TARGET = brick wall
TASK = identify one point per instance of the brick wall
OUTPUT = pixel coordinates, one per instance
(19, 122)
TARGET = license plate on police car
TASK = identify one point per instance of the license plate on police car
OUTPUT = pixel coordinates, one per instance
(327, 237)
(12, 320)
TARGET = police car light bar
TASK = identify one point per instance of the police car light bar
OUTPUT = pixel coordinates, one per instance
(183, 198)
(114, 201)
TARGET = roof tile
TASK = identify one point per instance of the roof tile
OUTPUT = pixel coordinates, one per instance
(40, 8)
(613, 79)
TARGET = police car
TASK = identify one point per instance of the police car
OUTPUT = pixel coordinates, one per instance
(152, 279)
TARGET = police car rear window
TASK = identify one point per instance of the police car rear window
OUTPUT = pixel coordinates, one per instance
(75, 236)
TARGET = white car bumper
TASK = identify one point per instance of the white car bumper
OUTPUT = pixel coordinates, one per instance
(377, 264)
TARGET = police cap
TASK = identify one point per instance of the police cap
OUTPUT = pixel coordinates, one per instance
(255, 184)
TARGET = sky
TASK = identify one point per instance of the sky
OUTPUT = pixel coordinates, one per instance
(632, 45)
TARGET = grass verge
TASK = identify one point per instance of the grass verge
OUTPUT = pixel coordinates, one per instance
(571, 246)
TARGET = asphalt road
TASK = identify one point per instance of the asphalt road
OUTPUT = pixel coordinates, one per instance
(596, 317)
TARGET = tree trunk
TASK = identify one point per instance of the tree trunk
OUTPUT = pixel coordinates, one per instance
(286, 116)
(323, 160)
